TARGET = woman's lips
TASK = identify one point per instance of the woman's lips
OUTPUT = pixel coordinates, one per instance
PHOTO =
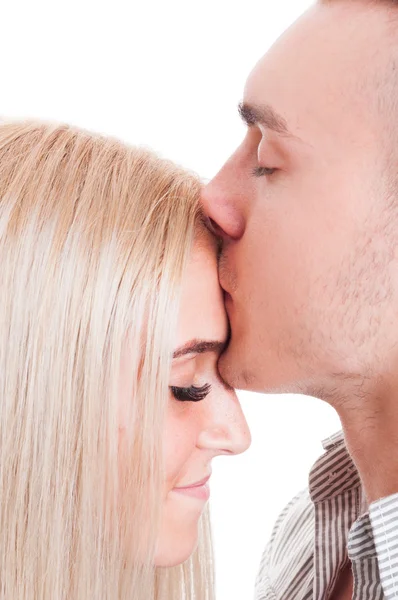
(198, 490)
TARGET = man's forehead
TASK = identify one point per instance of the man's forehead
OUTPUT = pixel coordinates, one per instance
(317, 68)
(326, 37)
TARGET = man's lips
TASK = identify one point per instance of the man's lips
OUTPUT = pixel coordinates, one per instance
(225, 288)
(227, 299)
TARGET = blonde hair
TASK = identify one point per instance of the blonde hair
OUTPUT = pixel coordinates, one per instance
(94, 238)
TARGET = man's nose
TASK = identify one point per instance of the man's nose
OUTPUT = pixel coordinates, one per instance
(221, 207)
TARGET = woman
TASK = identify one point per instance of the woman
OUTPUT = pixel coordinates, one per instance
(111, 408)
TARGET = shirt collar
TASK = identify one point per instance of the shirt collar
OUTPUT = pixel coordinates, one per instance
(333, 440)
(334, 472)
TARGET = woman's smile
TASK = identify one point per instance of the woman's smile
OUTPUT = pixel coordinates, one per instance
(198, 490)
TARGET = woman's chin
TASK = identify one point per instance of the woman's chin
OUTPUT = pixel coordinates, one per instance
(173, 552)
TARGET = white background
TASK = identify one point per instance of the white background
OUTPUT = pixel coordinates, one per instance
(169, 74)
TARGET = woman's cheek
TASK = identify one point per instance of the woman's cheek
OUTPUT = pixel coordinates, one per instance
(179, 442)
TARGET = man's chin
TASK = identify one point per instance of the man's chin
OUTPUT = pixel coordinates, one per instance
(270, 378)
(230, 367)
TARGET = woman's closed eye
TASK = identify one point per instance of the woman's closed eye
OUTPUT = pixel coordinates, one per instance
(191, 393)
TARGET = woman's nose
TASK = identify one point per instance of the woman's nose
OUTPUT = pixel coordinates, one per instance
(225, 430)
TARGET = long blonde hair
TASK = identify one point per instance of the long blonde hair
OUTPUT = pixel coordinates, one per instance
(94, 238)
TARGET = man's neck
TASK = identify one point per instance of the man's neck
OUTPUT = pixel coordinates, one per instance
(369, 416)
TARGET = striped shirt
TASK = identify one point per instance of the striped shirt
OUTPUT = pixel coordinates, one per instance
(326, 528)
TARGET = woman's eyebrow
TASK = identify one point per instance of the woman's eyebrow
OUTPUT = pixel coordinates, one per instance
(199, 347)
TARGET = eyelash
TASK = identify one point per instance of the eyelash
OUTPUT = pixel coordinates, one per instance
(261, 171)
(190, 394)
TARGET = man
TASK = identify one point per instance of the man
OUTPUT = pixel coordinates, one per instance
(307, 208)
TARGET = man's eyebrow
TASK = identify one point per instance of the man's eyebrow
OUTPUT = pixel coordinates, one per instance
(199, 347)
(254, 114)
